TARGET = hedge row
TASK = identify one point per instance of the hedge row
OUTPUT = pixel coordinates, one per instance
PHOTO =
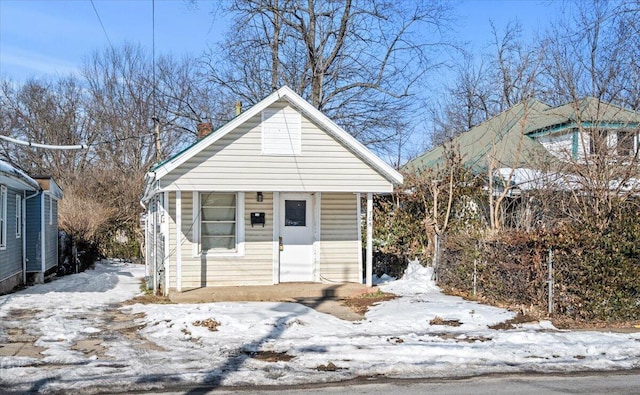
(596, 273)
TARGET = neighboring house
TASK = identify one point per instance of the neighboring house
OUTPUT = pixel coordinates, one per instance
(42, 229)
(534, 135)
(22, 225)
(272, 196)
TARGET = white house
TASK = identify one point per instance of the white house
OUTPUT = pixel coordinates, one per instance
(272, 196)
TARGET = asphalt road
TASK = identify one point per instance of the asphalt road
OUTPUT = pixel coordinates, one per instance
(536, 384)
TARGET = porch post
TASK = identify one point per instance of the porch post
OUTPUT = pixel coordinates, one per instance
(178, 241)
(359, 227)
(167, 240)
(369, 271)
(156, 208)
(276, 239)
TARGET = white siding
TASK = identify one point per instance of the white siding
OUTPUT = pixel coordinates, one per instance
(236, 163)
(339, 245)
(170, 260)
(559, 145)
(253, 268)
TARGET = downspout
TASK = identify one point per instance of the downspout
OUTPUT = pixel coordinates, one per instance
(24, 235)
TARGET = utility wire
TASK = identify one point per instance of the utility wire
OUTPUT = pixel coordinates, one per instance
(30, 143)
(101, 24)
(153, 54)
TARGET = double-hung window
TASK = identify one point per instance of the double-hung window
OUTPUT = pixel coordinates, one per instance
(625, 143)
(598, 142)
(218, 222)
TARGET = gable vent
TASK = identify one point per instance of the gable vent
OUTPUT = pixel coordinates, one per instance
(281, 132)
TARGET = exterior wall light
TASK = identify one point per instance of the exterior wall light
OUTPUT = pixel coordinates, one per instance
(259, 197)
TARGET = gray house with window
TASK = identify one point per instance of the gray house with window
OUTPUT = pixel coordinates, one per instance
(28, 227)
(42, 229)
(273, 196)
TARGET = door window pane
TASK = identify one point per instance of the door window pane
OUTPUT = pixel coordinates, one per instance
(295, 213)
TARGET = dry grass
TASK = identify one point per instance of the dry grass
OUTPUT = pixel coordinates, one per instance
(360, 304)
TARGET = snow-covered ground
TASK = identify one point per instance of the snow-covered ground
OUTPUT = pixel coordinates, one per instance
(87, 343)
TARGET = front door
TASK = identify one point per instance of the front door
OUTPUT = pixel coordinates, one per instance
(296, 232)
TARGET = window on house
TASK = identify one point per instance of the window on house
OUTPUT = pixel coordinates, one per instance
(598, 142)
(295, 213)
(281, 132)
(625, 142)
(3, 216)
(218, 222)
(18, 216)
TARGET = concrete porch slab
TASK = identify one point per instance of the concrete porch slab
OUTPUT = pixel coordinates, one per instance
(324, 298)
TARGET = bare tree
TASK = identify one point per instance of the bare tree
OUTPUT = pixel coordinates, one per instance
(359, 61)
(110, 109)
(483, 87)
(48, 112)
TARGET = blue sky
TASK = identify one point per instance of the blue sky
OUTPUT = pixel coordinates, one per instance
(44, 37)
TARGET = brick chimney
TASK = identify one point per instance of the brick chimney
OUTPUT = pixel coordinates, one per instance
(204, 129)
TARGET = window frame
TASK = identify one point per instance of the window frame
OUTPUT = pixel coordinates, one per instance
(629, 138)
(18, 216)
(598, 142)
(278, 141)
(239, 226)
(3, 217)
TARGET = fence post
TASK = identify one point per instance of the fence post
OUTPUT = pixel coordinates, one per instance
(475, 275)
(550, 281)
(436, 256)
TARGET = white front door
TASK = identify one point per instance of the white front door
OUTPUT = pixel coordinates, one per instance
(296, 232)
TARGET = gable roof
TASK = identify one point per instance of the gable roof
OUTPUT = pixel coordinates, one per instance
(500, 138)
(507, 137)
(588, 109)
(285, 93)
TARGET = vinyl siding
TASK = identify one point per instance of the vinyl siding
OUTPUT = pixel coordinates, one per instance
(51, 230)
(339, 247)
(558, 145)
(253, 268)
(33, 234)
(33, 221)
(236, 163)
(11, 256)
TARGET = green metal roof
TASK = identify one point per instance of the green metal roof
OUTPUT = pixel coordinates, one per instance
(501, 139)
(507, 138)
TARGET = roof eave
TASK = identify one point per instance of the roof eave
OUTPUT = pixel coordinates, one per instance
(284, 93)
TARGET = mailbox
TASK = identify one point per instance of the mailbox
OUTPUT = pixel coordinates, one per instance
(257, 218)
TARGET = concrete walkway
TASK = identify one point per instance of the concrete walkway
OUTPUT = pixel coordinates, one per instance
(325, 298)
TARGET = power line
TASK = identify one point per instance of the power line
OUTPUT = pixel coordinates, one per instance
(47, 146)
(101, 24)
(30, 143)
(153, 52)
